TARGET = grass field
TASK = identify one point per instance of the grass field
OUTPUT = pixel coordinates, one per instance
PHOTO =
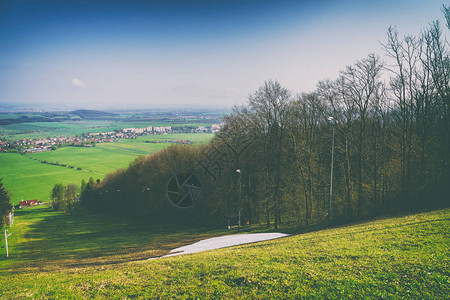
(55, 255)
(101, 159)
(12, 116)
(29, 179)
(45, 129)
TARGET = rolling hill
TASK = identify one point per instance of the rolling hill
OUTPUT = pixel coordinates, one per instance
(57, 255)
(92, 114)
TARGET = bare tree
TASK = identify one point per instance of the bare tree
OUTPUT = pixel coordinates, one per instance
(363, 88)
(435, 96)
(268, 112)
(446, 11)
(306, 117)
(70, 192)
(403, 84)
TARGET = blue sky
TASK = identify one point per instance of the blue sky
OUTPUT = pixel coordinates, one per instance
(173, 53)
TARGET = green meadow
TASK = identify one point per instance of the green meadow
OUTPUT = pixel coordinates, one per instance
(61, 256)
(106, 157)
(29, 179)
(10, 116)
(46, 129)
(102, 158)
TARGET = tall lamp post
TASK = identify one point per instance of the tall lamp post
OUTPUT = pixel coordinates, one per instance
(238, 171)
(333, 122)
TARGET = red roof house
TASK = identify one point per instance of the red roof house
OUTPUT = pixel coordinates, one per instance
(28, 203)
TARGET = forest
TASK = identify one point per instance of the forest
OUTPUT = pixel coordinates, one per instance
(373, 141)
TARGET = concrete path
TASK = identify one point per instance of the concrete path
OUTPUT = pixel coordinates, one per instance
(223, 242)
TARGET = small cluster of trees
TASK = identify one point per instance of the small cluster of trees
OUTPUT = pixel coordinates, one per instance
(392, 141)
(5, 205)
(63, 196)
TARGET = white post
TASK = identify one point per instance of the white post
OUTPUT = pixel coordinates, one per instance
(6, 243)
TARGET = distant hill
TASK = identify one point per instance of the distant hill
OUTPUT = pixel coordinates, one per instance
(92, 114)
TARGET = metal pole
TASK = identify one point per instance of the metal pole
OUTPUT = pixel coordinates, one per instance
(6, 243)
(240, 198)
(331, 177)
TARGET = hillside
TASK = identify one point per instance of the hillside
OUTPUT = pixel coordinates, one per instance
(29, 179)
(93, 257)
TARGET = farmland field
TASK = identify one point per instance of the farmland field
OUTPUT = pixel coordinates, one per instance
(82, 256)
(101, 159)
(30, 179)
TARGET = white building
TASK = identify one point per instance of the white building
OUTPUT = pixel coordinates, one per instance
(162, 129)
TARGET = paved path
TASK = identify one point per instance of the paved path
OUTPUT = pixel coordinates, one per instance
(223, 242)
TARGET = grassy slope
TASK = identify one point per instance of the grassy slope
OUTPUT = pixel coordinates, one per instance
(401, 257)
(29, 179)
(101, 159)
(106, 157)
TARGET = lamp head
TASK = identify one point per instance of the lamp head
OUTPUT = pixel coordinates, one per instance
(332, 120)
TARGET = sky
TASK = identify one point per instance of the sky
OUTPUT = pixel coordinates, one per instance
(107, 54)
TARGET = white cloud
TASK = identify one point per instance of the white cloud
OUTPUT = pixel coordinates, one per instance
(79, 83)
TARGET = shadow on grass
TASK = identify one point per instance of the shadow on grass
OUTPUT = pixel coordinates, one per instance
(45, 240)
(25, 211)
(54, 240)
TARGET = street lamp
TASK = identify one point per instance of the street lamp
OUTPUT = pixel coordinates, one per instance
(333, 122)
(238, 171)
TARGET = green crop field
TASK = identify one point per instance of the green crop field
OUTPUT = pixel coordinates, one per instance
(106, 157)
(101, 159)
(10, 116)
(61, 256)
(46, 129)
(29, 179)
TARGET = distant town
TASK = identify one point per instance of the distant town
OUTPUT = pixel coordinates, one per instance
(90, 139)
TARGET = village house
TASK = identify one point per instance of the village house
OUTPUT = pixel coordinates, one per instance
(28, 203)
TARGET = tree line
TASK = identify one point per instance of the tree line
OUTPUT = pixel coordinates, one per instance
(5, 205)
(390, 129)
